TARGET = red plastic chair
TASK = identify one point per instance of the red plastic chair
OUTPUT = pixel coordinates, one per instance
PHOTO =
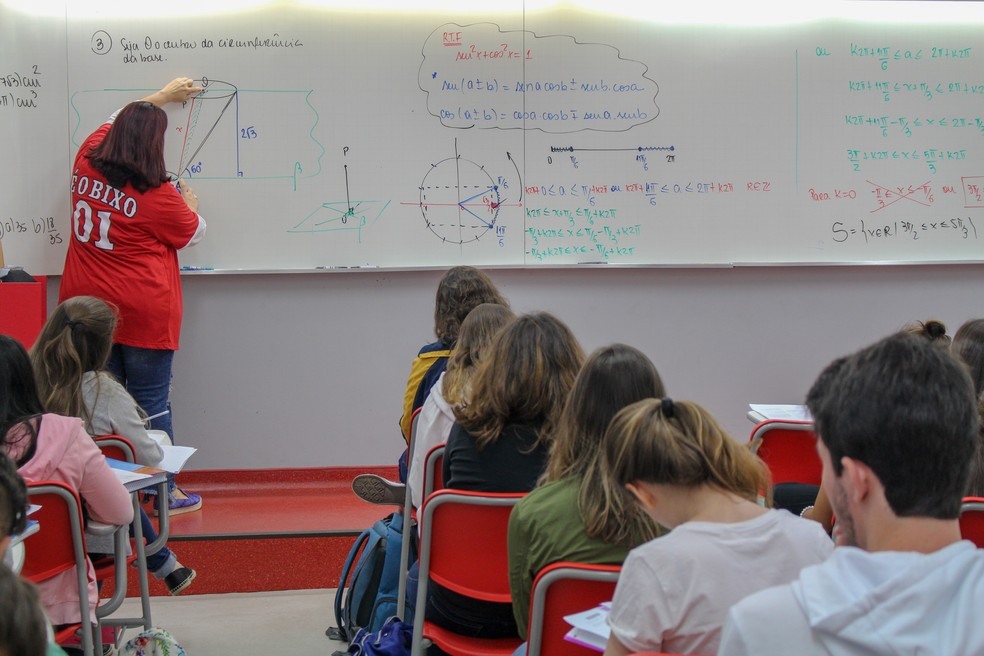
(789, 448)
(434, 471)
(463, 548)
(972, 520)
(118, 447)
(564, 589)
(60, 546)
(408, 525)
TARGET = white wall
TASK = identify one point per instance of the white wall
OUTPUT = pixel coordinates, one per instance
(308, 370)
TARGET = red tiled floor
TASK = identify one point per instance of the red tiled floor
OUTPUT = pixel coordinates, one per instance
(277, 503)
(255, 565)
(264, 530)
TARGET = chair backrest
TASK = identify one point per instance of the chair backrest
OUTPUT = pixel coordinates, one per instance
(434, 471)
(60, 544)
(972, 520)
(789, 449)
(564, 589)
(459, 526)
(463, 547)
(116, 447)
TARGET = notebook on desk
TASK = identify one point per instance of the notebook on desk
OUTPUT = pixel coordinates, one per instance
(136, 477)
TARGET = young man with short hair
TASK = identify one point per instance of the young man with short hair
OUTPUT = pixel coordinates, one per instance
(897, 426)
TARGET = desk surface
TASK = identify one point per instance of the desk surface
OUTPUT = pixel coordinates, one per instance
(136, 477)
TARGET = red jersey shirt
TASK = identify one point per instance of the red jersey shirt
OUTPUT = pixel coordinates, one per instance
(124, 250)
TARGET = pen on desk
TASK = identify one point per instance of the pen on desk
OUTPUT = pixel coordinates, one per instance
(197, 268)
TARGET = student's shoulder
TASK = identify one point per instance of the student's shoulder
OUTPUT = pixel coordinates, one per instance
(434, 350)
(803, 530)
(767, 621)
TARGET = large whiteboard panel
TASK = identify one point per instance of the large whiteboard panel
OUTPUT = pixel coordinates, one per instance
(329, 138)
(33, 139)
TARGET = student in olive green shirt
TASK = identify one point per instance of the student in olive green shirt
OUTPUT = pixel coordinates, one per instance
(571, 517)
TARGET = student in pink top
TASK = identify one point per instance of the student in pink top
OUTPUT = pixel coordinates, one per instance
(52, 447)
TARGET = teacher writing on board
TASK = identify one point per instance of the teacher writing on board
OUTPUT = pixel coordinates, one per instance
(128, 223)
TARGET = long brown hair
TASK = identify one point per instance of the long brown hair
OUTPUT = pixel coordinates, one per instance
(474, 339)
(461, 289)
(612, 377)
(133, 150)
(76, 339)
(524, 380)
(679, 443)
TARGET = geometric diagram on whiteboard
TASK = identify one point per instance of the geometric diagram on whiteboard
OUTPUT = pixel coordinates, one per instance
(225, 132)
(888, 196)
(203, 115)
(459, 200)
(342, 216)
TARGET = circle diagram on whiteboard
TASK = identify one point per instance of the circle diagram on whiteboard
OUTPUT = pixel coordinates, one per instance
(459, 201)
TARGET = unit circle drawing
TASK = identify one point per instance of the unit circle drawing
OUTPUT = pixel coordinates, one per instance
(459, 200)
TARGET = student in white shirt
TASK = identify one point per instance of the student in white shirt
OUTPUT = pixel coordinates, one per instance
(897, 424)
(675, 591)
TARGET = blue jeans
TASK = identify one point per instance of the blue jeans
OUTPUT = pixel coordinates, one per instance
(146, 375)
(163, 562)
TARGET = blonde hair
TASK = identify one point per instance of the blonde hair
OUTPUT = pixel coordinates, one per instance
(474, 338)
(524, 380)
(77, 338)
(668, 442)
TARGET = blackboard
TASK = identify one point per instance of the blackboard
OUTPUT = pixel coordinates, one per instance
(334, 138)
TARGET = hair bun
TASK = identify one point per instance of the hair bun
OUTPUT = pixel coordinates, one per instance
(935, 329)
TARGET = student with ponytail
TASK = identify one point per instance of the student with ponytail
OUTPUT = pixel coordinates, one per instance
(69, 358)
(693, 478)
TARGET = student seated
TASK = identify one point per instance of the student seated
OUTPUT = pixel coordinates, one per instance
(453, 388)
(569, 517)
(501, 440)
(898, 425)
(69, 360)
(462, 289)
(820, 510)
(13, 503)
(968, 345)
(23, 626)
(691, 477)
(46, 447)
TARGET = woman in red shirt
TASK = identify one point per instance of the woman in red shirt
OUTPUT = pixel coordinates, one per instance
(128, 223)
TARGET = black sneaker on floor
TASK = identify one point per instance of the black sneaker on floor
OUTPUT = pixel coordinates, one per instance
(179, 579)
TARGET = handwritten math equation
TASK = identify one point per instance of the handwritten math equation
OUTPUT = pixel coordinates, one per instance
(19, 90)
(44, 229)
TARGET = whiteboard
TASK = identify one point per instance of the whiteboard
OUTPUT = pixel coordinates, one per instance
(331, 138)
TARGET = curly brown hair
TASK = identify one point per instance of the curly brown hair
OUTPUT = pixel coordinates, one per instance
(461, 289)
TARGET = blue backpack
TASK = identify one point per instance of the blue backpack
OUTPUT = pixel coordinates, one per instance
(367, 591)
